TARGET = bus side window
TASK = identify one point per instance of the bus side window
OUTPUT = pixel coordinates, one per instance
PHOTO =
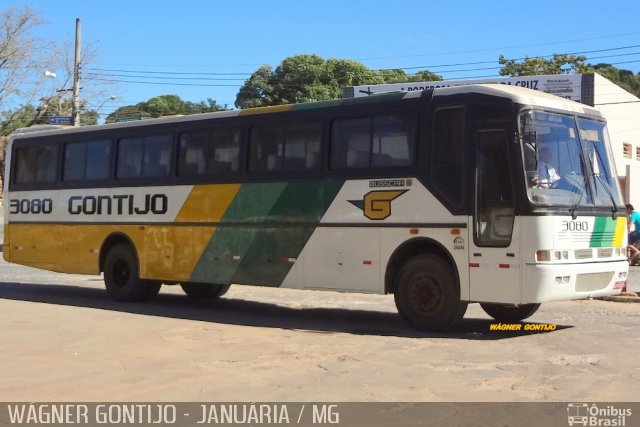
(448, 153)
(157, 156)
(130, 157)
(380, 141)
(289, 148)
(36, 164)
(302, 146)
(223, 153)
(98, 159)
(191, 154)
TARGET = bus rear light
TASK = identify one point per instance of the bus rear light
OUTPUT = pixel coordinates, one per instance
(620, 284)
(543, 256)
(561, 255)
(622, 275)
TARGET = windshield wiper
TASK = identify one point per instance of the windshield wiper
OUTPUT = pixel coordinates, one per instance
(605, 185)
(606, 188)
(575, 205)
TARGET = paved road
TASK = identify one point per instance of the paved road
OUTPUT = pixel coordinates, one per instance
(61, 338)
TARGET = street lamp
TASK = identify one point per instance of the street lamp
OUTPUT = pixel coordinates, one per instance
(111, 98)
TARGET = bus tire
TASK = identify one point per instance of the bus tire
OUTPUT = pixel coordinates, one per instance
(153, 289)
(121, 275)
(509, 313)
(204, 290)
(427, 294)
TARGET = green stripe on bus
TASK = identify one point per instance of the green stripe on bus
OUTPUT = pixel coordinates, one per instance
(228, 245)
(604, 230)
(285, 232)
(285, 216)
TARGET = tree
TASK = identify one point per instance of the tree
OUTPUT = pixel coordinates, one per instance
(23, 59)
(306, 78)
(559, 64)
(164, 105)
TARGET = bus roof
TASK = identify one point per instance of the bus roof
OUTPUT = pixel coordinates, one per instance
(517, 94)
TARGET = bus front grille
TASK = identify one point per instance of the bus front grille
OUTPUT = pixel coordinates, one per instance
(593, 281)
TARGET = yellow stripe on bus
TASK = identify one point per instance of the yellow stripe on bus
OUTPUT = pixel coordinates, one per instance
(207, 203)
(621, 229)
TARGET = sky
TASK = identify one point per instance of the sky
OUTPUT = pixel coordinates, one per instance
(200, 49)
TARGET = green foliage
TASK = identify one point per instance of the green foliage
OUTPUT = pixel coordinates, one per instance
(165, 105)
(29, 115)
(307, 78)
(559, 64)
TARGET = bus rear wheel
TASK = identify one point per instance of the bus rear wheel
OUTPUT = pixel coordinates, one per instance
(204, 290)
(509, 313)
(427, 294)
(121, 276)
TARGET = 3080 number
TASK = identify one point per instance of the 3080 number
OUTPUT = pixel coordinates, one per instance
(575, 226)
(30, 206)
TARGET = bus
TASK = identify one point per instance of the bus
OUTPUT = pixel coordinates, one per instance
(434, 197)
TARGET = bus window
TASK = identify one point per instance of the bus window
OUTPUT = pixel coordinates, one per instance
(393, 144)
(448, 153)
(98, 160)
(223, 153)
(382, 141)
(191, 158)
(36, 164)
(302, 147)
(144, 157)
(494, 213)
(130, 157)
(157, 156)
(294, 147)
(74, 161)
(86, 161)
(215, 152)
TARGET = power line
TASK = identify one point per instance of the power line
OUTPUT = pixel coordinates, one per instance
(431, 66)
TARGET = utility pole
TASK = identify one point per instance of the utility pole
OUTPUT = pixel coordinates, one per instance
(76, 78)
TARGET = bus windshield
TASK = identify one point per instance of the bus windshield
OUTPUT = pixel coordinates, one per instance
(568, 161)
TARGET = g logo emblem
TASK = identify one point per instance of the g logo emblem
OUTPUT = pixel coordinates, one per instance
(376, 205)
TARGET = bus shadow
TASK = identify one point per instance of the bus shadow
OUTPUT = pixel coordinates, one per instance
(256, 314)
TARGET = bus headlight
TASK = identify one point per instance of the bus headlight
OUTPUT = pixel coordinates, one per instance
(543, 256)
(561, 255)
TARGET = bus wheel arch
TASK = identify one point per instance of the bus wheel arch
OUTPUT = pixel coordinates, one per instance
(112, 240)
(408, 250)
(120, 262)
(426, 286)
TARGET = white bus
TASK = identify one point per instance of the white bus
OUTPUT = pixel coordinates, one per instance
(483, 193)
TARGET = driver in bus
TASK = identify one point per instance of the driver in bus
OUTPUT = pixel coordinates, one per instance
(546, 176)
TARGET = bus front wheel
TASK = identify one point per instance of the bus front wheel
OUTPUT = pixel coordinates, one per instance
(509, 313)
(204, 290)
(121, 276)
(427, 294)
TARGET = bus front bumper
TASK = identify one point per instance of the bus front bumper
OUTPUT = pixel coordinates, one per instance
(554, 282)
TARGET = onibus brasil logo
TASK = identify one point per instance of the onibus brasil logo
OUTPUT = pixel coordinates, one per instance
(594, 415)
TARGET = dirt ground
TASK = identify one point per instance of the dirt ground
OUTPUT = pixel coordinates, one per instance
(62, 339)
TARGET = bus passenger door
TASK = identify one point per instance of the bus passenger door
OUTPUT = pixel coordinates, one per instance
(493, 254)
